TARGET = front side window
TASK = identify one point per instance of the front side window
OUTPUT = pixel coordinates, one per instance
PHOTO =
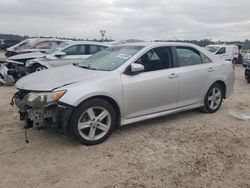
(156, 59)
(75, 50)
(110, 58)
(188, 56)
(222, 50)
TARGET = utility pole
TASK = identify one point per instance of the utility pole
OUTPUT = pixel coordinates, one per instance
(103, 32)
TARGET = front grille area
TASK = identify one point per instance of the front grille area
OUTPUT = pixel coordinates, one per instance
(21, 93)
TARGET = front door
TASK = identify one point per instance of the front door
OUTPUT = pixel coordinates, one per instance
(153, 90)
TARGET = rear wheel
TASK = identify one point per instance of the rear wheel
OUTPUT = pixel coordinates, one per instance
(213, 99)
(92, 122)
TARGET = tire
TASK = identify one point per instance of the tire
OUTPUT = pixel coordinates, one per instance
(213, 99)
(37, 68)
(92, 122)
(248, 81)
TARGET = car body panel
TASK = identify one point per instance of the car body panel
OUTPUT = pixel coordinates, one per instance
(140, 96)
(231, 51)
(137, 88)
(26, 56)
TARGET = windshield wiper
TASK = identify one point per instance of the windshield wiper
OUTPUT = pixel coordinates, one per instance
(87, 67)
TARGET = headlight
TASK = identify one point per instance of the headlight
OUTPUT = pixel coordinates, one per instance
(38, 100)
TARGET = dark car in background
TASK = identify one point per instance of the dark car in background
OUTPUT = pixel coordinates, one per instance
(247, 72)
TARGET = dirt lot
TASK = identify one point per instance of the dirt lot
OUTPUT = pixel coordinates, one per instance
(189, 149)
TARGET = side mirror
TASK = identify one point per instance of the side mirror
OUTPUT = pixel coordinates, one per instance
(60, 54)
(136, 68)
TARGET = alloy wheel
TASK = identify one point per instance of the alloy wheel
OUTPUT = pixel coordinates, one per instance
(214, 98)
(94, 123)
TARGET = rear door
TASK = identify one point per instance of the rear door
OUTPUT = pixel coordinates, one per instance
(153, 90)
(196, 73)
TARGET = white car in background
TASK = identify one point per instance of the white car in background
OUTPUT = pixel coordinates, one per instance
(33, 45)
(226, 52)
(65, 54)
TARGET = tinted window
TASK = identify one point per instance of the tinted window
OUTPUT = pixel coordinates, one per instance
(222, 50)
(188, 56)
(156, 59)
(82, 50)
(75, 50)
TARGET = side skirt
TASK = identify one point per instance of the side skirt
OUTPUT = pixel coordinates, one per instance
(159, 114)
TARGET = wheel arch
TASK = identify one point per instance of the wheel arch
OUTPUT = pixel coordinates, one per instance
(223, 86)
(110, 100)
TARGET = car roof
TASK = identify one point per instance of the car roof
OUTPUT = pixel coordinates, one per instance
(222, 45)
(155, 44)
(89, 42)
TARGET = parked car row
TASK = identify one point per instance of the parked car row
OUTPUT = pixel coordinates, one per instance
(65, 52)
(247, 72)
(226, 52)
(120, 85)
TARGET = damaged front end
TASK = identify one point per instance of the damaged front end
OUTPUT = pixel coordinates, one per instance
(38, 109)
(11, 71)
(5, 77)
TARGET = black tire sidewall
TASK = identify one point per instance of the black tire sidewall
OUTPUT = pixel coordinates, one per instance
(73, 124)
(33, 68)
(206, 103)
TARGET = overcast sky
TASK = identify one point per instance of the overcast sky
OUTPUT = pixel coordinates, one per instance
(123, 19)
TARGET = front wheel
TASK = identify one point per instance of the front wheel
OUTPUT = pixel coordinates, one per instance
(213, 99)
(37, 67)
(92, 122)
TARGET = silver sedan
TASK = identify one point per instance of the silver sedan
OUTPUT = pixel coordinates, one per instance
(124, 84)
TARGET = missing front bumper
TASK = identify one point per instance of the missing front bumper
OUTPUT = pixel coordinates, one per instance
(56, 114)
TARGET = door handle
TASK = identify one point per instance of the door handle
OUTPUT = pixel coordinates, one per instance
(210, 69)
(173, 75)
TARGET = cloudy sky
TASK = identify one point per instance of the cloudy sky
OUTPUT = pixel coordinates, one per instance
(141, 19)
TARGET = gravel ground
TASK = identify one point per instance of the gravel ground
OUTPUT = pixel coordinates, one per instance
(189, 149)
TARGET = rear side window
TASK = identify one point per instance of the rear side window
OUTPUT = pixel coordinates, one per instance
(222, 50)
(188, 56)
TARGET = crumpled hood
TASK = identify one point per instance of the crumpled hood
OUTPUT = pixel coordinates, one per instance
(50, 79)
(27, 56)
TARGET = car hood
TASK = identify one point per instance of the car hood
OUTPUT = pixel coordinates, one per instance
(27, 56)
(48, 80)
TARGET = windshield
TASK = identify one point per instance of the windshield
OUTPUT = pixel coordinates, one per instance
(54, 49)
(110, 58)
(212, 49)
